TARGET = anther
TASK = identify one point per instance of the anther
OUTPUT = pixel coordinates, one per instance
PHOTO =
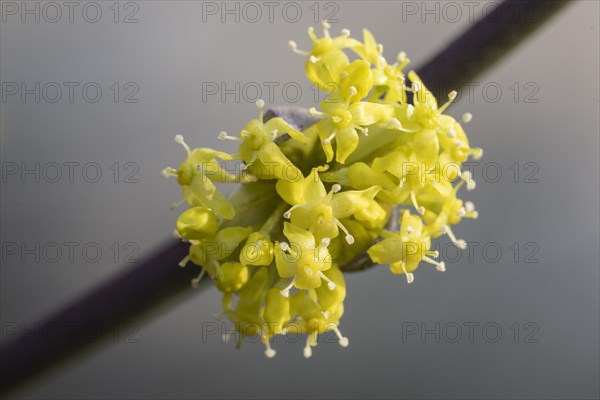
(286, 291)
(179, 140)
(185, 260)
(196, 281)
(343, 341)
(269, 352)
(330, 283)
(336, 188)
(467, 117)
(307, 350)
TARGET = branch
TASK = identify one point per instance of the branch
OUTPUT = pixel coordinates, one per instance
(157, 279)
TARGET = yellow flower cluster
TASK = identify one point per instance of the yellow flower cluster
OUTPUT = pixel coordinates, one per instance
(314, 199)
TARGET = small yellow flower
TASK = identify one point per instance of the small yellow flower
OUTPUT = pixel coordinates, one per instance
(258, 149)
(344, 114)
(196, 174)
(303, 259)
(404, 250)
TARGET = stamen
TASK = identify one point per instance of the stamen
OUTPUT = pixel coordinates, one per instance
(468, 178)
(410, 110)
(179, 140)
(345, 32)
(326, 314)
(336, 188)
(439, 265)
(393, 123)
(325, 242)
(284, 246)
(226, 337)
(410, 278)
(467, 117)
(176, 204)
(476, 153)
(353, 91)
(274, 134)
(294, 47)
(462, 212)
(343, 341)
(269, 352)
(218, 316)
(461, 244)
(413, 198)
(311, 33)
(167, 172)
(196, 280)
(326, 27)
(349, 237)
(401, 58)
(313, 111)
(330, 283)
(432, 253)
(260, 103)
(451, 96)
(185, 260)
(451, 133)
(328, 140)
(313, 59)
(224, 136)
(364, 131)
(307, 349)
(379, 48)
(288, 213)
(410, 230)
(416, 86)
(286, 291)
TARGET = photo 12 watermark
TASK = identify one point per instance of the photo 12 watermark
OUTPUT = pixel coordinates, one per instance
(68, 252)
(52, 172)
(70, 12)
(69, 92)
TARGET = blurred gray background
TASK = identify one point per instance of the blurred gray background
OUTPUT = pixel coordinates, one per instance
(532, 309)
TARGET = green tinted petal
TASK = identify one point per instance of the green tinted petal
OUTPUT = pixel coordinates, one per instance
(258, 250)
(286, 263)
(424, 96)
(306, 190)
(228, 239)
(364, 113)
(348, 203)
(283, 127)
(202, 192)
(347, 142)
(298, 238)
(232, 276)
(277, 165)
(358, 75)
(426, 147)
(387, 251)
